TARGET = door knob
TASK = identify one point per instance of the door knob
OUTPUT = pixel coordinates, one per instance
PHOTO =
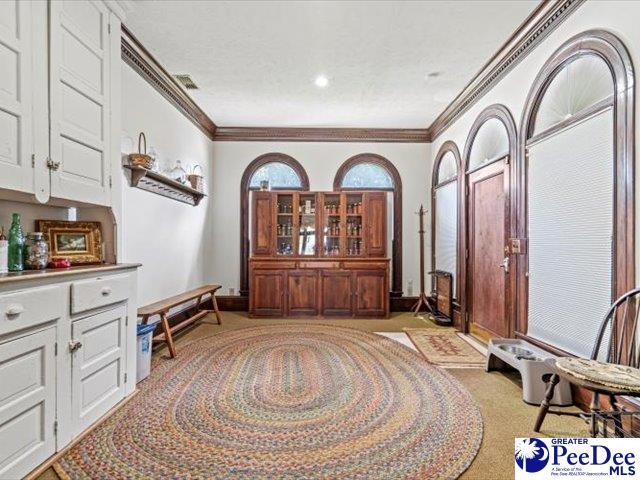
(505, 264)
(74, 345)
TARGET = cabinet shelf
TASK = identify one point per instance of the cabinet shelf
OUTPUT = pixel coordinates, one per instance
(159, 184)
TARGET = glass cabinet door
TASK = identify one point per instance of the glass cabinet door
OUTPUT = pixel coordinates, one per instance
(307, 224)
(354, 226)
(284, 224)
(332, 225)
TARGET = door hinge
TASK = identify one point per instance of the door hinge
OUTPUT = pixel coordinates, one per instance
(109, 28)
(110, 181)
(55, 427)
(55, 349)
(126, 321)
(33, 160)
(466, 190)
(466, 253)
(125, 378)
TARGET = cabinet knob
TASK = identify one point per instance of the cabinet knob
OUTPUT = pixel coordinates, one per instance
(14, 310)
(106, 291)
(74, 345)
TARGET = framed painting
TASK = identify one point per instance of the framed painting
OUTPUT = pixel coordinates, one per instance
(80, 242)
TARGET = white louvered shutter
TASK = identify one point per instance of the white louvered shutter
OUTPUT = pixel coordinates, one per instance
(447, 229)
(570, 215)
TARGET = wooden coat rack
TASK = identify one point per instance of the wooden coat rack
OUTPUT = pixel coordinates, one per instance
(423, 300)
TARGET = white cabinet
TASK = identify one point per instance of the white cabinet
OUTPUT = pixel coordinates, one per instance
(97, 365)
(62, 371)
(79, 51)
(27, 401)
(15, 97)
(56, 135)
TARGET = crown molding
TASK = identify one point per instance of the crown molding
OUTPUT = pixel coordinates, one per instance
(139, 58)
(295, 134)
(537, 26)
(542, 21)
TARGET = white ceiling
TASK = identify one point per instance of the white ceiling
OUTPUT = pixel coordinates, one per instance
(255, 62)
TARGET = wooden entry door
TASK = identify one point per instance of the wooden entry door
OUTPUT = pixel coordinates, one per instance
(488, 263)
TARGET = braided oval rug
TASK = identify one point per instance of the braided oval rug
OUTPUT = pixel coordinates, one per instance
(294, 401)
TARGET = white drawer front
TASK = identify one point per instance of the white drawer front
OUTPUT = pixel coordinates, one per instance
(27, 402)
(98, 292)
(31, 307)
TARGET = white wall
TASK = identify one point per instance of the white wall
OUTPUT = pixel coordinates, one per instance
(618, 17)
(321, 161)
(172, 240)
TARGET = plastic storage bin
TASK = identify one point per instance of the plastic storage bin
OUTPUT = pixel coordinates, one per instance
(143, 357)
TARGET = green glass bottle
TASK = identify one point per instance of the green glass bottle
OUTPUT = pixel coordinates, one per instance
(16, 245)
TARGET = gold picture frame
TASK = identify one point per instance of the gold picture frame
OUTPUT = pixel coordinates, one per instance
(80, 242)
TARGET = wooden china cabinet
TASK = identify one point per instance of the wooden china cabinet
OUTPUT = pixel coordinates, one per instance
(319, 254)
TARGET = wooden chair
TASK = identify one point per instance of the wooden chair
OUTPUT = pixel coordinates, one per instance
(619, 371)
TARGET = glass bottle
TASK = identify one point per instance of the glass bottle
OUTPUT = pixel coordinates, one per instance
(16, 245)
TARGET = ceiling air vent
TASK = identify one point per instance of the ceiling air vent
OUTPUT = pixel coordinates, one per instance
(186, 81)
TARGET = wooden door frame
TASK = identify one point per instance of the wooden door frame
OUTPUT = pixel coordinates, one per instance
(495, 168)
(503, 114)
(611, 49)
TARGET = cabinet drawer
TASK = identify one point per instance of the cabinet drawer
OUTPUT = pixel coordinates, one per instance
(31, 307)
(98, 292)
(319, 265)
(273, 265)
(364, 265)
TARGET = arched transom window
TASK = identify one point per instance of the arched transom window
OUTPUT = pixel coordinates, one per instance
(448, 169)
(490, 143)
(278, 175)
(367, 175)
(580, 85)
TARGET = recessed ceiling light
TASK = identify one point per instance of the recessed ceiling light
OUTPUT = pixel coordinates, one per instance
(321, 81)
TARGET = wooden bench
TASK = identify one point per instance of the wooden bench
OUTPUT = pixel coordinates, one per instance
(163, 306)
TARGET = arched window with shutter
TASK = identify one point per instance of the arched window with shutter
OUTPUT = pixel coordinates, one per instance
(577, 144)
(445, 211)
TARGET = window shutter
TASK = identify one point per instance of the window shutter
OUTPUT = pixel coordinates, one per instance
(447, 229)
(570, 215)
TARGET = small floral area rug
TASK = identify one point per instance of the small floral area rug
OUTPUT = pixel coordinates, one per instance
(445, 348)
(290, 401)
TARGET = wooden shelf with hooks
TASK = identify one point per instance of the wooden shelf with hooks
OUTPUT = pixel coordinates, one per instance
(159, 184)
